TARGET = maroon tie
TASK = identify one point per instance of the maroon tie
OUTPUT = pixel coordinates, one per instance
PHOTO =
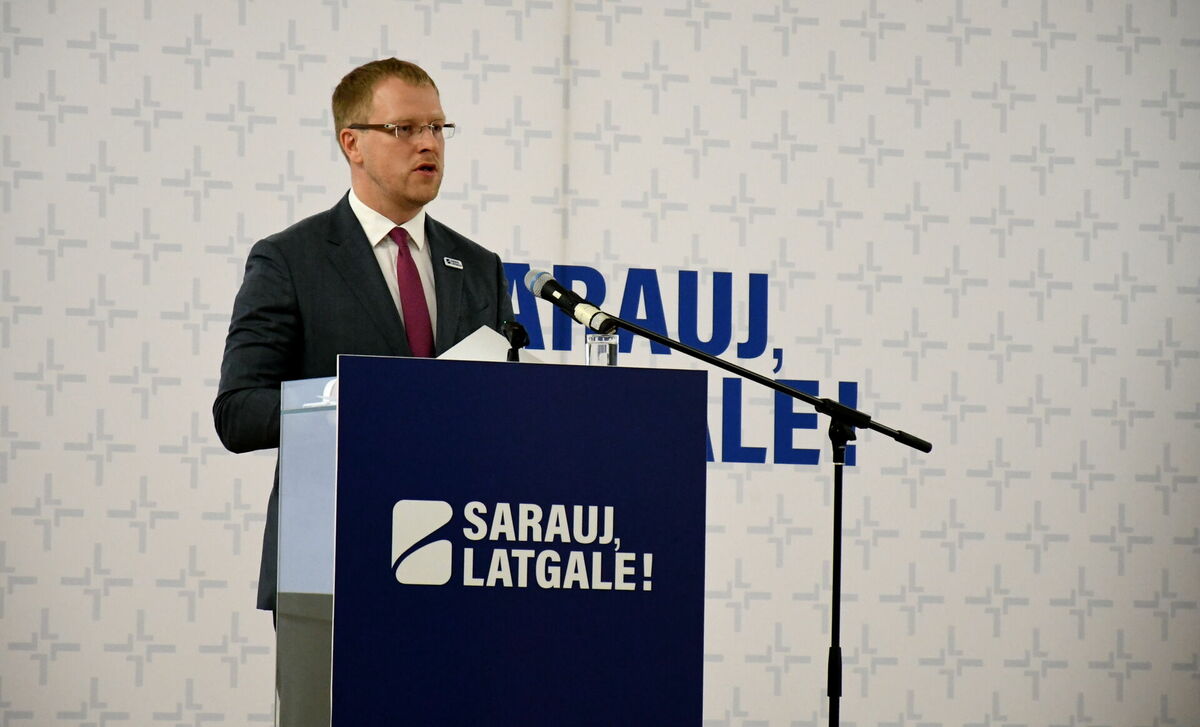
(412, 298)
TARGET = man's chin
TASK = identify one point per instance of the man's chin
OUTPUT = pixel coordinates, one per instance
(415, 198)
(425, 196)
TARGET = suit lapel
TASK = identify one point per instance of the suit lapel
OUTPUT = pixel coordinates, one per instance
(447, 282)
(350, 253)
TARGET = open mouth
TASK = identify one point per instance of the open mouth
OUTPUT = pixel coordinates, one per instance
(427, 168)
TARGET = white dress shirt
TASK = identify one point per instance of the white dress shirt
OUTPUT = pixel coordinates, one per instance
(378, 229)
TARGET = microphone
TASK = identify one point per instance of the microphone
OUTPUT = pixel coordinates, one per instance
(543, 285)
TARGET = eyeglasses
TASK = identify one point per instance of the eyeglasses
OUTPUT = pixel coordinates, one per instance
(409, 131)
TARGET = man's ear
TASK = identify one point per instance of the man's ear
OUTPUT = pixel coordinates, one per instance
(349, 143)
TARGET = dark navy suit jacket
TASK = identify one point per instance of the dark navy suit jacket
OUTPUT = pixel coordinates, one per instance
(315, 291)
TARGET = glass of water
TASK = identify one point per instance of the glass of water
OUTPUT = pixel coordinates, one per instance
(600, 349)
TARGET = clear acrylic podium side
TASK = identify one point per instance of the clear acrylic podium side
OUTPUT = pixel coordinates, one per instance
(304, 605)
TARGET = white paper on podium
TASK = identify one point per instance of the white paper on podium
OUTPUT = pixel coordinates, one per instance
(484, 344)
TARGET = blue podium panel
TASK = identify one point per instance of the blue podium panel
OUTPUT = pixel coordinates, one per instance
(518, 544)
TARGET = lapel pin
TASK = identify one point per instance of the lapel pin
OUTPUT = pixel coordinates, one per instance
(452, 263)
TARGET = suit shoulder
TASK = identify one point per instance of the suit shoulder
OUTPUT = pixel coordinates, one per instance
(310, 229)
(461, 244)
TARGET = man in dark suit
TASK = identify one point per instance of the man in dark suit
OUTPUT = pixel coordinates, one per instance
(373, 275)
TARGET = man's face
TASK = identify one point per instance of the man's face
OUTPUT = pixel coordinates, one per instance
(399, 175)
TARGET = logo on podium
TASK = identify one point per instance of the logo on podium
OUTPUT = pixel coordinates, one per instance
(416, 562)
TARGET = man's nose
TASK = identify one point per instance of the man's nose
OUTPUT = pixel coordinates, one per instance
(424, 138)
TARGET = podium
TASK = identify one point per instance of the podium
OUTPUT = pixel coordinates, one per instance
(492, 543)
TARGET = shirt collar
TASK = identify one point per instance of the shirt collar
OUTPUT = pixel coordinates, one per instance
(377, 227)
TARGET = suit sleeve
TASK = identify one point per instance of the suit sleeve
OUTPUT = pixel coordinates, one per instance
(262, 349)
(504, 300)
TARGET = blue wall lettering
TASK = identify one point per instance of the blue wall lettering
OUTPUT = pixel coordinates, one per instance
(788, 420)
(756, 323)
(731, 426)
(722, 312)
(642, 287)
(848, 395)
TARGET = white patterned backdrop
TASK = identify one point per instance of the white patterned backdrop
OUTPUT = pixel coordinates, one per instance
(985, 213)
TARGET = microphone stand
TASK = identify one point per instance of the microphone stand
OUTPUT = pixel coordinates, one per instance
(843, 421)
(518, 338)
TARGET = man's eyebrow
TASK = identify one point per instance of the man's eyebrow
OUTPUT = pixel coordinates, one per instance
(440, 119)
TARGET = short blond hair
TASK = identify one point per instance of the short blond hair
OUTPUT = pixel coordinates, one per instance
(353, 95)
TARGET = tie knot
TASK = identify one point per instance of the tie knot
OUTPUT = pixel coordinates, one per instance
(400, 235)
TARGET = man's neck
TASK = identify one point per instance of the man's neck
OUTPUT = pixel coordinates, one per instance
(396, 213)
